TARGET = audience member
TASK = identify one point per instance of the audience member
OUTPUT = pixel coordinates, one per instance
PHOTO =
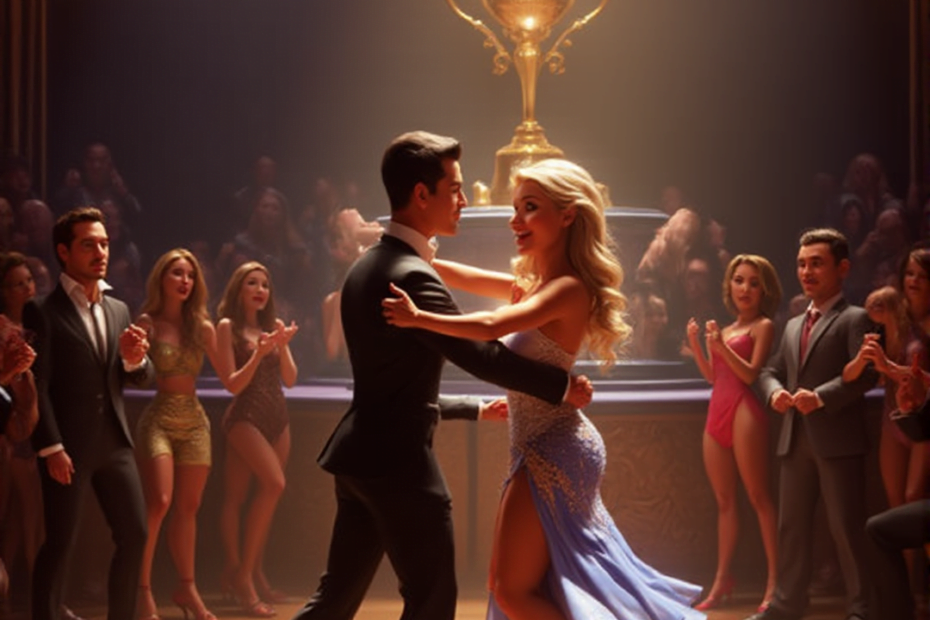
(904, 527)
(904, 466)
(881, 253)
(350, 235)
(7, 225)
(823, 438)
(125, 266)
(83, 436)
(16, 181)
(651, 339)
(735, 442)
(173, 433)
(272, 240)
(264, 176)
(24, 511)
(34, 238)
(253, 353)
(100, 181)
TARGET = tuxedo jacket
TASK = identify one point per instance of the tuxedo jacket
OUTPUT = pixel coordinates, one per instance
(395, 407)
(78, 393)
(838, 428)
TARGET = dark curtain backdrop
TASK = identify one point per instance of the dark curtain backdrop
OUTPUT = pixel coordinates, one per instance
(739, 103)
(23, 80)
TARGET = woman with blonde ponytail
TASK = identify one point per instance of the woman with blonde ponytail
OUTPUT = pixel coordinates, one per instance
(557, 553)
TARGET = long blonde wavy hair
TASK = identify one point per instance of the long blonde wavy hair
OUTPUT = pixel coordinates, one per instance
(193, 310)
(589, 248)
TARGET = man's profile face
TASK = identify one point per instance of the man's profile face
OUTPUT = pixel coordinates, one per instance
(444, 206)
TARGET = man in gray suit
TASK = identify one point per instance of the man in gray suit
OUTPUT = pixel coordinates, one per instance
(823, 439)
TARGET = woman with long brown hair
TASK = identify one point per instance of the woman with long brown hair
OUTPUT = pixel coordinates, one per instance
(255, 357)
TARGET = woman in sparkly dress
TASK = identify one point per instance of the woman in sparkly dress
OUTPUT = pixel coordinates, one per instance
(254, 355)
(173, 435)
(557, 553)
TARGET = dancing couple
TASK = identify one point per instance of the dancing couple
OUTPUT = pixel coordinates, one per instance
(557, 553)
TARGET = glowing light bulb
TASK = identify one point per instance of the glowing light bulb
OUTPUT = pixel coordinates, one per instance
(529, 23)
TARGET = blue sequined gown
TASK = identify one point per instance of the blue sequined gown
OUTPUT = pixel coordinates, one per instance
(594, 573)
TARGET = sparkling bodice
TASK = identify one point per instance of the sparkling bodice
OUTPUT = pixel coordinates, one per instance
(172, 360)
(531, 417)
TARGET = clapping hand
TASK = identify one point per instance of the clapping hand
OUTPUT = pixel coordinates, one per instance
(283, 334)
(400, 310)
(871, 350)
(266, 343)
(580, 391)
(133, 344)
(15, 360)
(714, 339)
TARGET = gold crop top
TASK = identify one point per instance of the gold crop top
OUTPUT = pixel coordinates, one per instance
(171, 360)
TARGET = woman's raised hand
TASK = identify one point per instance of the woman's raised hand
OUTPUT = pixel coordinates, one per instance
(283, 334)
(400, 310)
(712, 333)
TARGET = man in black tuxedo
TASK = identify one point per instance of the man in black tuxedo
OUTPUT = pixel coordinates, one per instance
(87, 351)
(391, 495)
(908, 525)
(823, 439)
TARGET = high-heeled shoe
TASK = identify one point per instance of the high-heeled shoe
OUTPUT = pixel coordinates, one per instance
(766, 600)
(254, 608)
(146, 591)
(718, 597)
(189, 606)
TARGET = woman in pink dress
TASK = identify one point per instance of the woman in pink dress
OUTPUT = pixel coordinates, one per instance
(736, 433)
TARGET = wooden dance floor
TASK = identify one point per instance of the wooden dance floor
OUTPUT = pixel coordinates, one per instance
(826, 608)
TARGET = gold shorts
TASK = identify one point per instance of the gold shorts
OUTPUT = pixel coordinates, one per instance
(176, 425)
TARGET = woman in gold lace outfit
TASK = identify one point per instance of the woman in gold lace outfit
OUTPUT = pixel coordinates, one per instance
(173, 435)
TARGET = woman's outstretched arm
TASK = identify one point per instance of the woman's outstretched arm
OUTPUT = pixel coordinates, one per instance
(564, 298)
(475, 280)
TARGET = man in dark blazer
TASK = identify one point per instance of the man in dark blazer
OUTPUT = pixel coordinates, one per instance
(823, 439)
(87, 351)
(906, 526)
(391, 495)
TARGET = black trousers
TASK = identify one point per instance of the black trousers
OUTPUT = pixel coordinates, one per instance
(412, 525)
(110, 471)
(891, 532)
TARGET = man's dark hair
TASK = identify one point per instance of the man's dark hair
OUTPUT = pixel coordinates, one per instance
(63, 232)
(415, 157)
(839, 246)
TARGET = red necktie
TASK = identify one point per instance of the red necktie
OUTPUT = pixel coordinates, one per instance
(812, 316)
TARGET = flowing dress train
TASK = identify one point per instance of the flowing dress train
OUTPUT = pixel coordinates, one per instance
(594, 573)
